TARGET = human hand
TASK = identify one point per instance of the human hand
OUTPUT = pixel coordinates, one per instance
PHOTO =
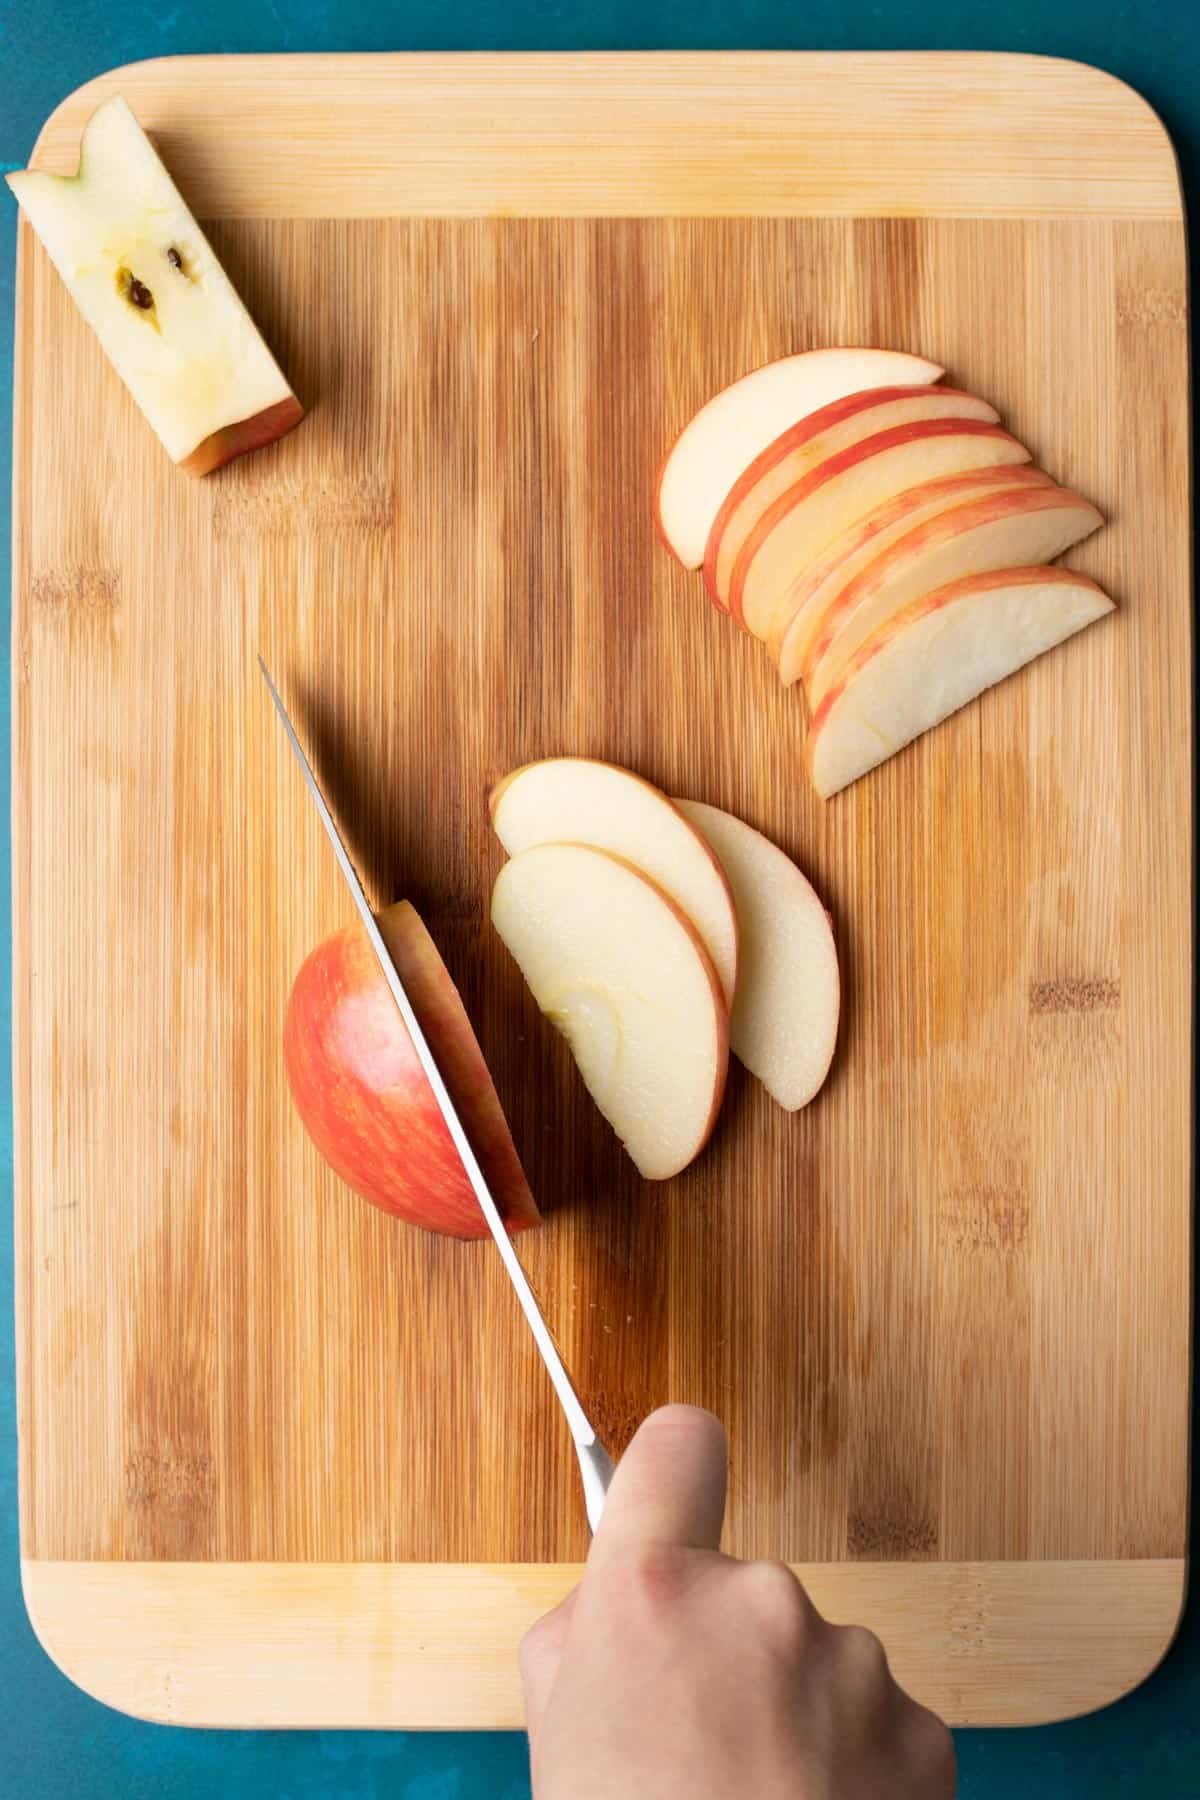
(675, 1673)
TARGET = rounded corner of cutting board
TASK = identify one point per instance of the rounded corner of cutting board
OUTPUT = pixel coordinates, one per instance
(419, 1646)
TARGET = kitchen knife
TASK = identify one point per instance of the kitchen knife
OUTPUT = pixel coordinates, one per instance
(595, 1464)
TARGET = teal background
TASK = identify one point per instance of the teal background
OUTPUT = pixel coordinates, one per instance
(53, 1740)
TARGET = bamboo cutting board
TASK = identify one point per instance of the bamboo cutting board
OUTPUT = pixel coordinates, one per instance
(285, 1462)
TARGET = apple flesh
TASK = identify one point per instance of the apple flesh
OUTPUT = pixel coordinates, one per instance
(575, 799)
(1021, 528)
(943, 650)
(146, 280)
(800, 524)
(362, 1095)
(817, 588)
(619, 969)
(822, 434)
(784, 1023)
(728, 433)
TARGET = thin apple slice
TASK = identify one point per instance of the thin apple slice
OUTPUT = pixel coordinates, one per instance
(727, 434)
(802, 446)
(785, 1018)
(145, 278)
(573, 799)
(800, 524)
(940, 652)
(817, 587)
(622, 973)
(1016, 529)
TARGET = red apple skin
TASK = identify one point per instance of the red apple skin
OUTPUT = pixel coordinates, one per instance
(220, 447)
(362, 1095)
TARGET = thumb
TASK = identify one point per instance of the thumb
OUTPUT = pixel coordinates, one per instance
(669, 1487)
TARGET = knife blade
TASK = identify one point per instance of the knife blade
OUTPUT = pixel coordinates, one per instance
(595, 1464)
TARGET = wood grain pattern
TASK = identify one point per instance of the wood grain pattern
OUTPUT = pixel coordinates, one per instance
(944, 1311)
(421, 1645)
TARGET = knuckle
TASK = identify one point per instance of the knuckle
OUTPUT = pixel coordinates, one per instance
(779, 1602)
(658, 1575)
(863, 1656)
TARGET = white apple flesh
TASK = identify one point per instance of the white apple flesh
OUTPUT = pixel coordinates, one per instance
(940, 652)
(726, 435)
(784, 1022)
(1017, 529)
(822, 434)
(799, 525)
(621, 972)
(570, 799)
(146, 280)
(816, 589)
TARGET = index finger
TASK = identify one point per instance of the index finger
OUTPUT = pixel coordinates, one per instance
(669, 1487)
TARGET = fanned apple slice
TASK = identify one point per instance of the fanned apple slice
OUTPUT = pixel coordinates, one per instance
(785, 1018)
(575, 799)
(817, 587)
(800, 524)
(728, 432)
(621, 972)
(939, 653)
(145, 278)
(1015, 529)
(802, 446)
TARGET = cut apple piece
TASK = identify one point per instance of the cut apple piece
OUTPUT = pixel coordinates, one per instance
(1016, 529)
(576, 800)
(935, 656)
(817, 588)
(622, 973)
(363, 1096)
(785, 1019)
(146, 280)
(728, 433)
(799, 449)
(800, 524)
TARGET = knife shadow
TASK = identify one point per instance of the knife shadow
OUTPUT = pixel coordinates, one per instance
(366, 824)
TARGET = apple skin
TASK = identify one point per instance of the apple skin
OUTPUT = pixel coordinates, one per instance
(362, 1095)
(220, 447)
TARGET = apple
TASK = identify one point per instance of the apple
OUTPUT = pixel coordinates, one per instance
(940, 652)
(800, 524)
(802, 446)
(576, 799)
(818, 585)
(146, 280)
(621, 971)
(1016, 529)
(362, 1095)
(784, 1022)
(728, 433)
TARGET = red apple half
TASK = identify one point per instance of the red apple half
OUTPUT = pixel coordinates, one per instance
(362, 1095)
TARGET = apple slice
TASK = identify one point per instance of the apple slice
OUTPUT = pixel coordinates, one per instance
(146, 280)
(940, 652)
(622, 973)
(362, 1095)
(784, 1022)
(800, 524)
(1016, 529)
(817, 587)
(727, 434)
(802, 446)
(572, 799)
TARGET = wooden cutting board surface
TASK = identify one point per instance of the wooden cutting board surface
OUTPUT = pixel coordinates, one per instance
(285, 1461)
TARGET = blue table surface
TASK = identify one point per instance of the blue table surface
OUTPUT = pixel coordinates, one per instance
(53, 1740)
